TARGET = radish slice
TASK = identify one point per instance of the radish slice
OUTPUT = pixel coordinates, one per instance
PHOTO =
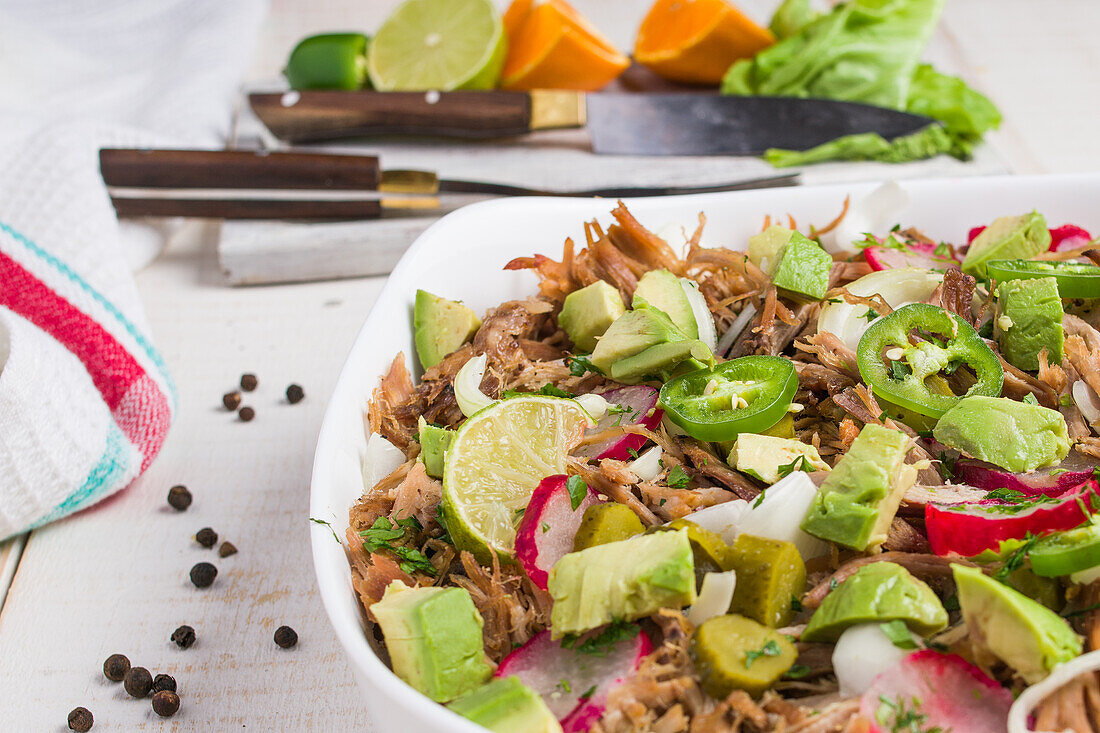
(897, 287)
(467, 386)
(861, 654)
(714, 598)
(780, 512)
(648, 465)
(978, 527)
(1020, 714)
(548, 527)
(874, 212)
(948, 691)
(1068, 236)
(561, 676)
(630, 406)
(1052, 480)
(973, 233)
(704, 321)
(721, 518)
(917, 254)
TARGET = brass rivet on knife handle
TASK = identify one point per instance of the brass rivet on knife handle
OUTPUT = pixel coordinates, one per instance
(552, 108)
(390, 203)
(409, 181)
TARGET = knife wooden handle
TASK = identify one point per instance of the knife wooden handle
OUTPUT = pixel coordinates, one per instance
(237, 169)
(248, 208)
(326, 115)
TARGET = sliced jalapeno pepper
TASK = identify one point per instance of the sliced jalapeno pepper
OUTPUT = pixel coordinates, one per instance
(328, 61)
(745, 395)
(905, 356)
(1064, 553)
(1075, 279)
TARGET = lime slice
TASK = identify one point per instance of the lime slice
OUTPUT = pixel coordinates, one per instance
(496, 460)
(438, 44)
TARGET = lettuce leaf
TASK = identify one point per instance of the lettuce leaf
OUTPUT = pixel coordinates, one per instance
(962, 110)
(924, 143)
(791, 17)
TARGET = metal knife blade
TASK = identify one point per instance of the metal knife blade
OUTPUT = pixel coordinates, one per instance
(711, 124)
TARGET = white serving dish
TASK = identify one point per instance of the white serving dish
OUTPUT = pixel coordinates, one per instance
(462, 256)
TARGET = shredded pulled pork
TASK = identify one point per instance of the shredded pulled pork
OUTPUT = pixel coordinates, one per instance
(831, 352)
(514, 609)
(956, 294)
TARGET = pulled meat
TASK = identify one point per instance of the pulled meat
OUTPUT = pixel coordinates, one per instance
(904, 537)
(711, 466)
(395, 389)
(861, 404)
(821, 378)
(1075, 706)
(830, 351)
(956, 294)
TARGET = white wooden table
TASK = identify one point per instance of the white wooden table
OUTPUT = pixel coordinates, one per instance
(114, 578)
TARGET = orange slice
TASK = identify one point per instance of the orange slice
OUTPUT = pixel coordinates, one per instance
(695, 41)
(552, 46)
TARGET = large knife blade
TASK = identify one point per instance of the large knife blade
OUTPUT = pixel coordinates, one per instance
(619, 123)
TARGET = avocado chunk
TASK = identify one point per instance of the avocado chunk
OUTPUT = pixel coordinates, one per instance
(860, 496)
(1029, 319)
(608, 521)
(433, 636)
(434, 442)
(879, 591)
(763, 455)
(440, 326)
(770, 576)
(1017, 436)
(588, 313)
(736, 653)
(624, 580)
(632, 333)
(766, 247)
(663, 362)
(662, 290)
(803, 269)
(1007, 238)
(506, 705)
(1023, 634)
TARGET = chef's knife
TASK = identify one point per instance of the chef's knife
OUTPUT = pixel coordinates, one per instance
(619, 123)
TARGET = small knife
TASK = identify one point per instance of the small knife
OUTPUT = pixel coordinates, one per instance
(618, 123)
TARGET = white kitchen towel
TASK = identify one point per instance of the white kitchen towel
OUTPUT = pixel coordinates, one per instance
(85, 400)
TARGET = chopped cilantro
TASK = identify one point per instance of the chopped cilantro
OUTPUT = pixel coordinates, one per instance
(951, 603)
(564, 686)
(1081, 611)
(1031, 399)
(603, 642)
(798, 464)
(588, 693)
(662, 502)
(797, 672)
(678, 477)
(770, 649)
(545, 527)
(577, 489)
(902, 720)
(633, 453)
(330, 528)
(1065, 400)
(898, 634)
(833, 583)
(759, 499)
(796, 605)
(870, 315)
(943, 249)
(580, 365)
(547, 390)
(899, 370)
(1015, 559)
(947, 466)
(382, 535)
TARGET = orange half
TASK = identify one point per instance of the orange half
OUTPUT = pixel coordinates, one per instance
(696, 41)
(552, 46)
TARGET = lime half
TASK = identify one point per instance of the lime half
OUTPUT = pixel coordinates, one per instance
(438, 44)
(496, 460)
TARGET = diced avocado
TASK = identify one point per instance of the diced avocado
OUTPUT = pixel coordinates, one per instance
(506, 705)
(860, 496)
(736, 653)
(803, 268)
(624, 580)
(608, 521)
(1023, 634)
(1029, 319)
(880, 591)
(663, 362)
(588, 313)
(1017, 436)
(434, 442)
(440, 326)
(433, 636)
(770, 574)
(782, 429)
(1007, 238)
(762, 455)
(662, 290)
(632, 333)
(766, 247)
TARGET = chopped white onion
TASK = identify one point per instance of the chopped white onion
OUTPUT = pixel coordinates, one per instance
(467, 386)
(721, 518)
(1085, 577)
(1086, 400)
(862, 653)
(735, 328)
(595, 405)
(715, 597)
(708, 334)
(779, 515)
(380, 459)
(647, 466)
(1021, 709)
(873, 212)
(897, 287)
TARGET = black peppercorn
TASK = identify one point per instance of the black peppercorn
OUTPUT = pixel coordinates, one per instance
(231, 400)
(203, 574)
(246, 414)
(227, 549)
(80, 720)
(179, 498)
(206, 537)
(294, 394)
(115, 667)
(249, 382)
(183, 637)
(166, 703)
(286, 637)
(164, 682)
(137, 682)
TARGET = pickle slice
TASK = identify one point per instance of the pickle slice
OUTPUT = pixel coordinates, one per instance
(736, 653)
(606, 522)
(770, 576)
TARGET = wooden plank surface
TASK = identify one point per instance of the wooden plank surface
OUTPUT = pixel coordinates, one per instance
(114, 578)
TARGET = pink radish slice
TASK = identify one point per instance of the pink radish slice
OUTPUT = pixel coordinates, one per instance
(978, 527)
(549, 524)
(921, 255)
(1068, 236)
(974, 232)
(951, 693)
(637, 404)
(562, 676)
(986, 476)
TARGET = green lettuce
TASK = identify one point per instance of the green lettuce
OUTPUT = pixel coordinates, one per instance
(791, 17)
(924, 143)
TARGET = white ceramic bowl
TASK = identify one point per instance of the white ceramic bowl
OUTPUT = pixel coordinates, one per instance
(462, 256)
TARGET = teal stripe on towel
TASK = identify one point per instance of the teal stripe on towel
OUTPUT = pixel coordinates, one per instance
(103, 478)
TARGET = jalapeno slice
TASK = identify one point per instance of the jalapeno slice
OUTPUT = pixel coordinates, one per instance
(745, 395)
(329, 61)
(914, 357)
(1064, 553)
(1075, 279)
